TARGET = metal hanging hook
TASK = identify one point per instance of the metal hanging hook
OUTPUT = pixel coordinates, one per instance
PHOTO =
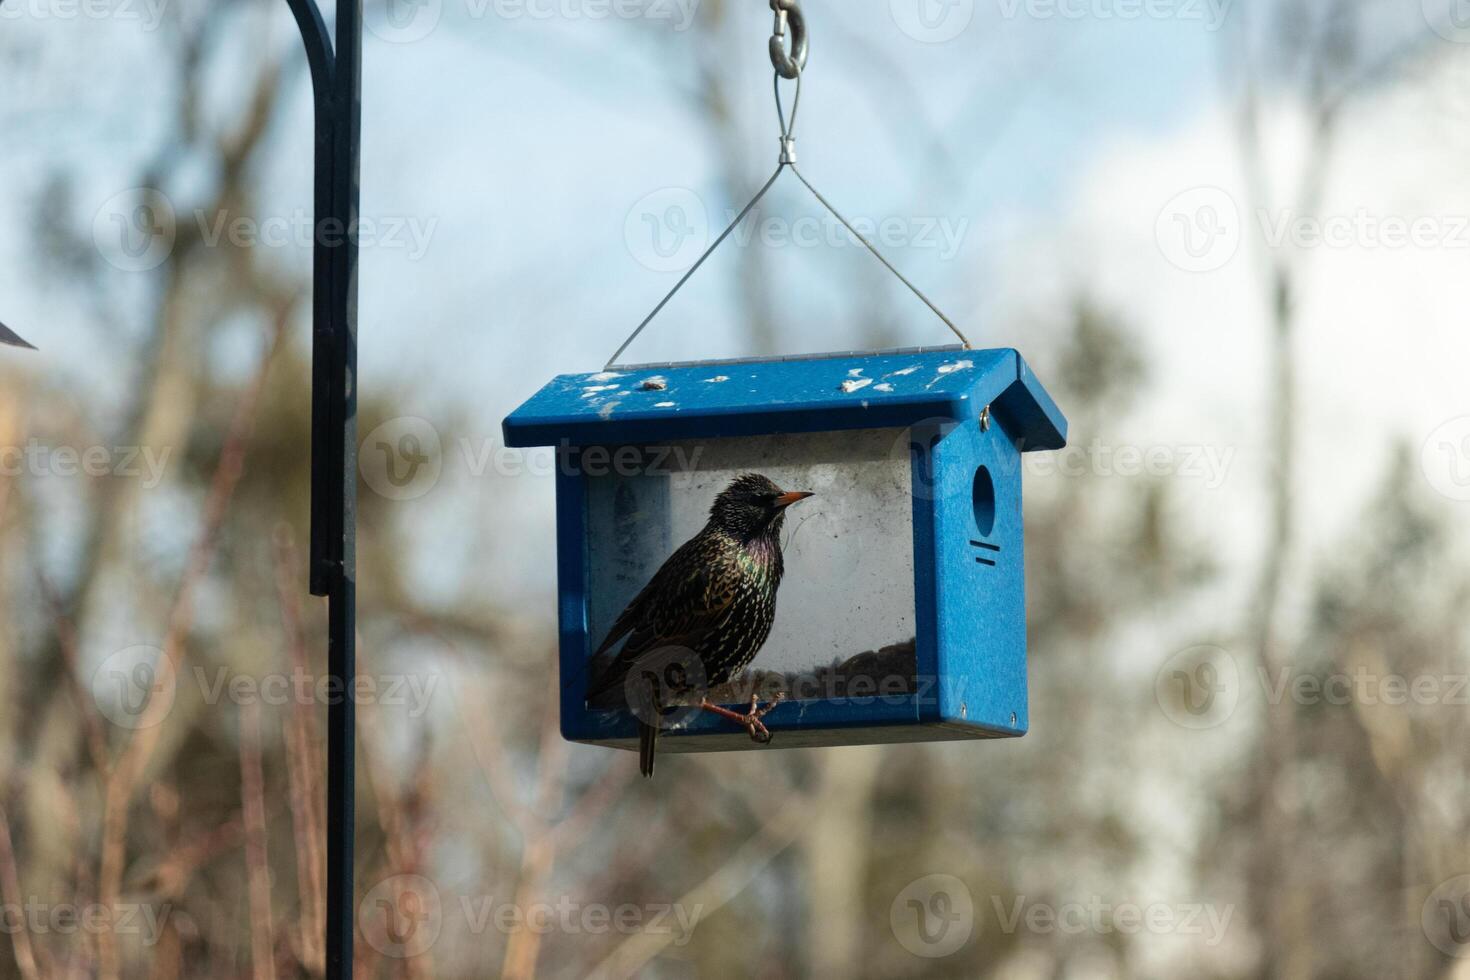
(788, 65)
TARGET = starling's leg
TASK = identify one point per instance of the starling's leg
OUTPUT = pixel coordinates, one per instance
(751, 722)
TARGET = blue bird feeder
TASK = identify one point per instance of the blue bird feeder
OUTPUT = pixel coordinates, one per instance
(902, 616)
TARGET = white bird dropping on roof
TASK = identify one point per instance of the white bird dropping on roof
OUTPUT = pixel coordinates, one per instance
(592, 391)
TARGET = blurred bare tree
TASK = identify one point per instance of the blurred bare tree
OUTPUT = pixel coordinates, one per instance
(1325, 55)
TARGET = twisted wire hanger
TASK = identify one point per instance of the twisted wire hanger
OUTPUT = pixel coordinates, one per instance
(790, 66)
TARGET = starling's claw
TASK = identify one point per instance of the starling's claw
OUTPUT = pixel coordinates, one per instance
(757, 715)
(751, 722)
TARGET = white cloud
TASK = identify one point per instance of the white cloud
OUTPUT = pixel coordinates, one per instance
(1382, 345)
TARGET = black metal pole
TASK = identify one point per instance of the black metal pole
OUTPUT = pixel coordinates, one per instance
(341, 442)
(336, 75)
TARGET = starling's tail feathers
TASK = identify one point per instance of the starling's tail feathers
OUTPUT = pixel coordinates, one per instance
(647, 746)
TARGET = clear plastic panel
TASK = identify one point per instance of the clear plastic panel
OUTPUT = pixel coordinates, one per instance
(844, 622)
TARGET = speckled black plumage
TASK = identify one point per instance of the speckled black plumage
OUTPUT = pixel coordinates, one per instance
(715, 596)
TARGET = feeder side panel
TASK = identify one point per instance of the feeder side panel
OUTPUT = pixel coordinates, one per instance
(924, 439)
(981, 582)
(571, 583)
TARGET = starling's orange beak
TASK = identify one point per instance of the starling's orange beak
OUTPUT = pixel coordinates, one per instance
(787, 499)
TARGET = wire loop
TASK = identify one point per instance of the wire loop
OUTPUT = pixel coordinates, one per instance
(788, 130)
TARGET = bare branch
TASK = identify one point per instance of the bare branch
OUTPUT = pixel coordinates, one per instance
(257, 859)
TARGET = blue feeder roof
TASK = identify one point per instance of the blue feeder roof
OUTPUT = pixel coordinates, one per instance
(812, 394)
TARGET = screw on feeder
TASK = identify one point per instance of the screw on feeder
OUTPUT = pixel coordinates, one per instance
(788, 65)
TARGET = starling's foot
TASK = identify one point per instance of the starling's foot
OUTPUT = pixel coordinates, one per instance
(751, 721)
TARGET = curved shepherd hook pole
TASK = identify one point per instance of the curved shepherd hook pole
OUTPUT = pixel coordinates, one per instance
(336, 79)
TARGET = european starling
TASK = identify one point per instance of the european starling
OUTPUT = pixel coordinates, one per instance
(715, 598)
